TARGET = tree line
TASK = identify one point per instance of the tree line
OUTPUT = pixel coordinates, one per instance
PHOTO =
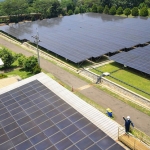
(16, 9)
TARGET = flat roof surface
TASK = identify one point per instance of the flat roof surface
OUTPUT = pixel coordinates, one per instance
(38, 113)
(138, 58)
(83, 36)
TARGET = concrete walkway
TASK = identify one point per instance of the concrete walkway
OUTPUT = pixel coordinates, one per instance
(7, 81)
(140, 120)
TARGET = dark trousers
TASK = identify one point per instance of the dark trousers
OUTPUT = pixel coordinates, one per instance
(127, 128)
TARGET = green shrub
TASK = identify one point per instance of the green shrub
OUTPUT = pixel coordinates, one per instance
(119, 11)
(100, 9)
(70, 12)
(36, 69)
(82, 9)
(94, 8)
(3, 76)
(106, 10)
(21, 60)
(30, 63)
(112, 10)
(144, 12)
(135, 11)
(127, 12)
(89, 10)
(63, 12)
(7, 57)
(76, 11)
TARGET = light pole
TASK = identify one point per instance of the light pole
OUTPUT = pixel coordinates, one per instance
(36, 37)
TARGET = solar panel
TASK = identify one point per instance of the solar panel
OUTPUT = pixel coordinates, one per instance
(83, 36)
(33, 117)
(138, 59)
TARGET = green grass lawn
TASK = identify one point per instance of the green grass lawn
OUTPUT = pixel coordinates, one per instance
(123, 15)
(14, 70)
(19, 72)
(129, 76)
(107, 68)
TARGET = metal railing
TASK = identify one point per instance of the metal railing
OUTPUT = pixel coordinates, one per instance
(136, 140)
(130, 85)
(140, 135)
(123, 81)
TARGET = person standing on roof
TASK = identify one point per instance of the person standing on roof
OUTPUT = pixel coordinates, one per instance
(127, 123)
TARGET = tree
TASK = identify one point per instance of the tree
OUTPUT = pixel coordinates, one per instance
(107, 2)
(15, 7)
(89, 10)
(106, 10)
(121, 3)
(147, 2)
(90, 3)
(82, 9)
(6, 57)
(30, 1)
(59, 10)
(2, 13)
(70, 6)
(112, 10)
(94, 8)
(16, 56)
(119, 11)
(36, 69)
(63, 12)
(76, 11)
(31, 10)
(141, 5)
(144, 12)
(30, 63)
(135, 11)
(127, 12)
(21, 60)
(64, 3)
(43, 7)
(55, 9)
(100, 9)
(70, 12)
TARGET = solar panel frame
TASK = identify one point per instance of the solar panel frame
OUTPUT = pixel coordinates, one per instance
(32, 128)
(138, 58)
(84, 36)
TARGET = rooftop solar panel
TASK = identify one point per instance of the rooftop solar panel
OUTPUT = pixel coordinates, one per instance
(138, 58)
(34, 117)
(83, 36)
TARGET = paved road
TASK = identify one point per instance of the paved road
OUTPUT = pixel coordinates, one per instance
(141, 121)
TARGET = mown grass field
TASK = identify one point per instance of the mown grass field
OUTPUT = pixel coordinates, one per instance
(107, 68)
(127, 75)
(19, 72)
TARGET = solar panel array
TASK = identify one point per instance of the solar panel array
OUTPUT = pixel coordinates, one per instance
(83, 36)
(138, 59)
(33, 117)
